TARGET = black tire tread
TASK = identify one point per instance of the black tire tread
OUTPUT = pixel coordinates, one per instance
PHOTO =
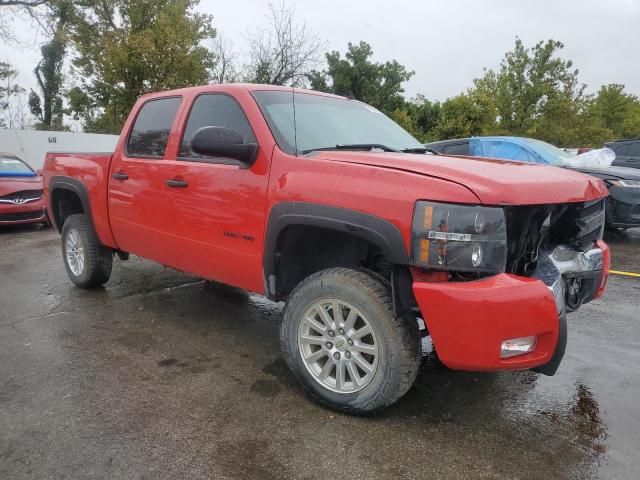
(98, 258)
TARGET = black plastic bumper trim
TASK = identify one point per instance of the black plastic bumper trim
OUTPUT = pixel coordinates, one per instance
(552, 366)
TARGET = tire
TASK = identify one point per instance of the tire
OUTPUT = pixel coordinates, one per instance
(396, 341)
(95, 269)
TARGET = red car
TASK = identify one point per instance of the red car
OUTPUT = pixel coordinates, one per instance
(21, 196)
(325, 203)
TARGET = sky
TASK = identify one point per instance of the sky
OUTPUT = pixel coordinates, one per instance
(446, 42)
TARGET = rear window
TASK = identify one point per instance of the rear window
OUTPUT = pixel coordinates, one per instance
(152, 127)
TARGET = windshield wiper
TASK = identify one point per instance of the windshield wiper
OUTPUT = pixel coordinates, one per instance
(353, 146)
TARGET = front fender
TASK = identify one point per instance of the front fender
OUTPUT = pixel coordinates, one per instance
(376, 230)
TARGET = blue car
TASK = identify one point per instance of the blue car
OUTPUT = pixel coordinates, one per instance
(623, 203)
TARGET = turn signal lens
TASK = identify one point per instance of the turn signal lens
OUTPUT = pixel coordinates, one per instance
(518, 346)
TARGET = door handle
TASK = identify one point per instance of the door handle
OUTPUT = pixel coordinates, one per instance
(177, 183)
(120, 176)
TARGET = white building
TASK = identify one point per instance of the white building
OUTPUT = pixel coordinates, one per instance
(32, 145)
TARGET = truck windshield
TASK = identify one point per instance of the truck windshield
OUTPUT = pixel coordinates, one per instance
(326, 123)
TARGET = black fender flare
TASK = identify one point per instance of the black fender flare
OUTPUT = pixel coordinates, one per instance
(74, 185)
(376, 230)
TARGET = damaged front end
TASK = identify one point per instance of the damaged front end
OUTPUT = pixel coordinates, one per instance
(516, 319)
(560, 245)
(568, 255)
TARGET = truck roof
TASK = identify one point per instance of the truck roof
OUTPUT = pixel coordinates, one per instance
(231, 87)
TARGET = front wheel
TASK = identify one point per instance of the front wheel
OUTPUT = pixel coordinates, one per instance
(87, 262)
(341, 340)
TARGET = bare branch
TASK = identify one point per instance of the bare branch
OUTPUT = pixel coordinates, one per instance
(36, 10)
(284, 53)
(225, 70)
(19, 3)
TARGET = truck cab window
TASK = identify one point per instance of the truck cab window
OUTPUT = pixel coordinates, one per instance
(151, 129)
(215, 110)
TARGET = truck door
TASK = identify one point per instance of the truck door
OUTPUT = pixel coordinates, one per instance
(218, 204)
(137, 201)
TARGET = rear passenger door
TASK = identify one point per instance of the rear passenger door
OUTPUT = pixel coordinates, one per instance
(138, 206)
(218, 205)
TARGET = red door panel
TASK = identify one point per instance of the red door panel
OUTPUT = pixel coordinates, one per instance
(137, 199)
(138, 207)
(217, 221)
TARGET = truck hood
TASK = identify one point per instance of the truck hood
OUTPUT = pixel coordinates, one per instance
(494, 182)
(10, 185)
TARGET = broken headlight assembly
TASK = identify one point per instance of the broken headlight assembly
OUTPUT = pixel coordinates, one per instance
(463, 238)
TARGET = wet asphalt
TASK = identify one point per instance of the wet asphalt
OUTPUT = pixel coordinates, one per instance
(161, 375)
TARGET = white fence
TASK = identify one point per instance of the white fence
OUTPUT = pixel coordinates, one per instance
(32, 145)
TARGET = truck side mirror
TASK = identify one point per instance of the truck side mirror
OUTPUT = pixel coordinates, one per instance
(223, 142)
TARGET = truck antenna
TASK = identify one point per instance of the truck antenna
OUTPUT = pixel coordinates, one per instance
(295, 127)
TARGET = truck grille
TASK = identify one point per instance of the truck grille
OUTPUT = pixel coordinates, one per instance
(535, 227)
(16, 217)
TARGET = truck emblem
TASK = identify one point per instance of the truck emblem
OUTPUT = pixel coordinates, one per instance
(18, 201)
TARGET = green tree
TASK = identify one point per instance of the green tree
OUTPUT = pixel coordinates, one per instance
(47, 106)
(617, 111)
(419, 116)
(466, 115)
(378, 84)
(530, 84)
(631, 124)
(126, 48)
(13, 111)
(570, 124)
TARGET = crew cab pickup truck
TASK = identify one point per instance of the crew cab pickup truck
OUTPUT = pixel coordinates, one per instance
(326, 204)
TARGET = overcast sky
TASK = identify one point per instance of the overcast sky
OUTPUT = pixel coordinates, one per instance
(446, 42)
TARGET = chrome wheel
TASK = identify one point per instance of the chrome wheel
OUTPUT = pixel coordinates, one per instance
(74, 252)
(338, 346)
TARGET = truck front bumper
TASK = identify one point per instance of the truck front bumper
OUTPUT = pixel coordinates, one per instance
(469, 321)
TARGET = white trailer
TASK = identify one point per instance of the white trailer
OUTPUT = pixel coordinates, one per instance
(32, 145)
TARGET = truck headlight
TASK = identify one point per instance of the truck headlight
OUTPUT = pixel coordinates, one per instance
(459, 237)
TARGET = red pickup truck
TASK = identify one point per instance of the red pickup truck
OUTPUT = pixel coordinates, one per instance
(325, 203)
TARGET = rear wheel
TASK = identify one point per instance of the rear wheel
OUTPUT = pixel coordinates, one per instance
(342, 341)
(87, 262)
